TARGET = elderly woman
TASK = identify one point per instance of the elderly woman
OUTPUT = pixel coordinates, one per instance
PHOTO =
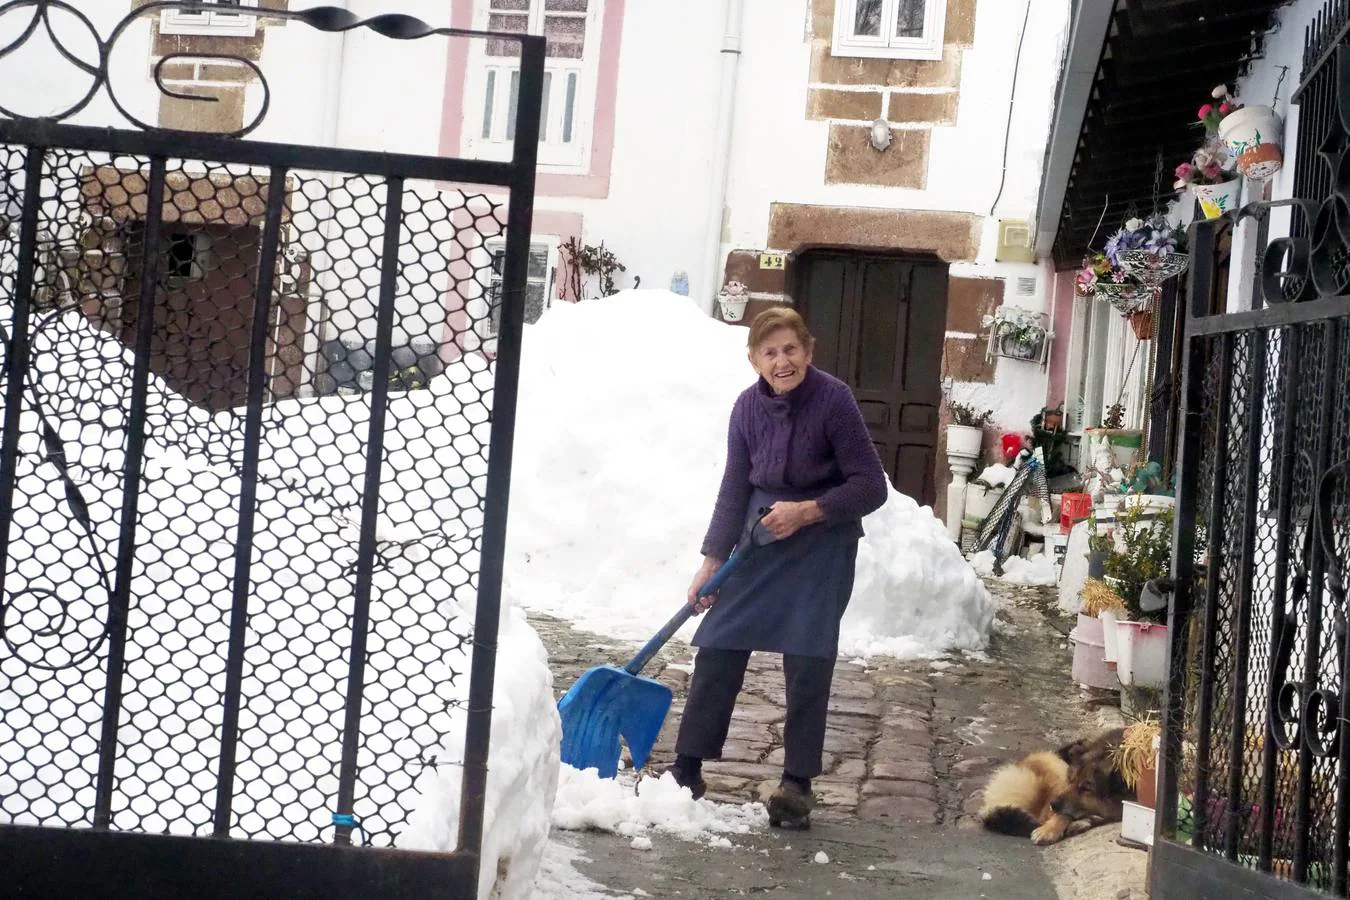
(797, 446)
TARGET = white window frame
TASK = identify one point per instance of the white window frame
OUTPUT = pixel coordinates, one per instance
(885, 46)
(554, 156)
(210, 22)
(485, 329)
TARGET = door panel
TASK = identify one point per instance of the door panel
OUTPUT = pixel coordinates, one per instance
(879, 323)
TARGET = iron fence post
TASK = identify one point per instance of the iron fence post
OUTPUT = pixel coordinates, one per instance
(487, 618)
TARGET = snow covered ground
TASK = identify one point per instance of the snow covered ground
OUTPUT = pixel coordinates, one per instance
(619, 452)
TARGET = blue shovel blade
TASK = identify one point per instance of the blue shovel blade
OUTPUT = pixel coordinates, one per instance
(605, 703)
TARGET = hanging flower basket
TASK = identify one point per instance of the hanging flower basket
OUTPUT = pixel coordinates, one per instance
(1125, 298)
(1016, 333)
(1151, 268)
(1252, 135)
(1015, 346)
(733, 298)
(1217, 199)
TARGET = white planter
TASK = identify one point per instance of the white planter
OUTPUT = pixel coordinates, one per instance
(1141, 653)
(1136, 823)
(963, 440)
(1217, 199)
(1252, 136)
(980, 502)
(732, 310)
(1109, 641)
(1089, 664)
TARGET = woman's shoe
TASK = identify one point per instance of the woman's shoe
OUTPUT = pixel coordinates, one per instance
(696, 785)
(790, 807)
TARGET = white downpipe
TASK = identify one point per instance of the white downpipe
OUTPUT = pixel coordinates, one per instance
(331, 123)
(708, 279)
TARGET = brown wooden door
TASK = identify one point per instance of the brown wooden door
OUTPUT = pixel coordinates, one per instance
(879, 324)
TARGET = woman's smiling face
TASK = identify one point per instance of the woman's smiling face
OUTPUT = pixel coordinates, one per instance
(781, 359)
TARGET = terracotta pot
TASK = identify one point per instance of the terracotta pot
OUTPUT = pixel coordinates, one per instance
(1252, 136)
(1142, 323)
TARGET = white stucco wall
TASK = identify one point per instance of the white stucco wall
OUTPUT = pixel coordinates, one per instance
(390, 94)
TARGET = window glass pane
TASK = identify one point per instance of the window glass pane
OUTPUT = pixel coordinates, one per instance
(534, 301)
(566, 36)
(543, 108)
(571, 102)
(510, 5)
(867, 18)
(538, 268)
(565, 5)
(512, 23)
(511, 106)
(488, 93)
(909, 18)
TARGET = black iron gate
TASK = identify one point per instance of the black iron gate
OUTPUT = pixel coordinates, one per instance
(1255, 797)
(253, 492)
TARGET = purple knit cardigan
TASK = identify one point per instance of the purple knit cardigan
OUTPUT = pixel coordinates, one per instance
(811, 439)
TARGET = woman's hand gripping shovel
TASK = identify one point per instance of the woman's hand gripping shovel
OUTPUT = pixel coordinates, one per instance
(608, 701)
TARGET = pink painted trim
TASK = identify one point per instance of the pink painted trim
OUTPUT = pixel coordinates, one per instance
(1062, 324)
(595, 183)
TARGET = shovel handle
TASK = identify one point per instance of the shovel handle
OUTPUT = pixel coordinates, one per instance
(713, 585)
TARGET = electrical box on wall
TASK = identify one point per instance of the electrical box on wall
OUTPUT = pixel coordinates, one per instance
(1014, 241)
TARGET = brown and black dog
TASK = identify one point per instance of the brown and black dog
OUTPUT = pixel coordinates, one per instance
(1049, 796)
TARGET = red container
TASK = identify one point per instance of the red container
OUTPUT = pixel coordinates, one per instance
(1012, 445)
(1073, 508)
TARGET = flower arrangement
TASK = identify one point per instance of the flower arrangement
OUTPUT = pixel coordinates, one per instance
(1211, 164)
(1153, 235)
(1211, 114)
(1018, 331)
(1097, 269)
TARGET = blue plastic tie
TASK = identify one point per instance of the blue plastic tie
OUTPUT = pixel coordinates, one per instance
(349, 820)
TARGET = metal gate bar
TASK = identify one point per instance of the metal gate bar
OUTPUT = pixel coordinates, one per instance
(108, 859)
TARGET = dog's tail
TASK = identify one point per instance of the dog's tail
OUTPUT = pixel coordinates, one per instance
(1010, 820)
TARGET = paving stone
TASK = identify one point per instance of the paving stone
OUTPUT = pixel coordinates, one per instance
(977, 766)
(852, 769)
(835, 793)
(851, 688)
(775, 758)
(722, 782)
(757, 712)
(750, 732)
(904, 770)
(871, 709)
(752, 771)
(846, 743)
(743, 751)
(880, 787)
(920, 747)
(892, 810)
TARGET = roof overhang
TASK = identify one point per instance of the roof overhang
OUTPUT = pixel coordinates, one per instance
(1133, 100)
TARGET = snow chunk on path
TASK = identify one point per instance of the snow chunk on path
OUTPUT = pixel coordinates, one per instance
(618, 455)
(1039, 569)
(585, 800)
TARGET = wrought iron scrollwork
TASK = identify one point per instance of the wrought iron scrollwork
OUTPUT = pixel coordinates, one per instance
(321, 18)
(1299, 715)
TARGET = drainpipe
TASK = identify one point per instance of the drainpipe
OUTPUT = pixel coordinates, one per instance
(330, 121)
(709, 279)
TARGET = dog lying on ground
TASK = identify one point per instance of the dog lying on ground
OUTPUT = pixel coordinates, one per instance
(1050, 796)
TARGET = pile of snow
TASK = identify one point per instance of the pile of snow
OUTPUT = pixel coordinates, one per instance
(1035, 570)
(638, 809)
(558, 878)
(619, 450)
(301, 594)
(997, 475)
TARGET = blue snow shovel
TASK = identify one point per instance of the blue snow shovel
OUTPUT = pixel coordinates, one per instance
(609, 701)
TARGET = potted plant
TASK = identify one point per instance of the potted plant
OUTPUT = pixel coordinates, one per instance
(1093, 647)
(1150, 249)
(1125, 443)
(965, 434)
(1251, 134)
(1210, 178)
(1144, 554)
(1019, 333)
(1136, 758)
(732, 298)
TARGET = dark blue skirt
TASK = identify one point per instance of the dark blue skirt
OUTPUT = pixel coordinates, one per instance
(789, 595)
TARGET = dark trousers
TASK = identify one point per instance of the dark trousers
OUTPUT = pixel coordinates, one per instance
(717, 679)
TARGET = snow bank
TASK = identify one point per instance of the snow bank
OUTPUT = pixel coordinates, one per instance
(657, 805)
(619, 450)
(1036, 570)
